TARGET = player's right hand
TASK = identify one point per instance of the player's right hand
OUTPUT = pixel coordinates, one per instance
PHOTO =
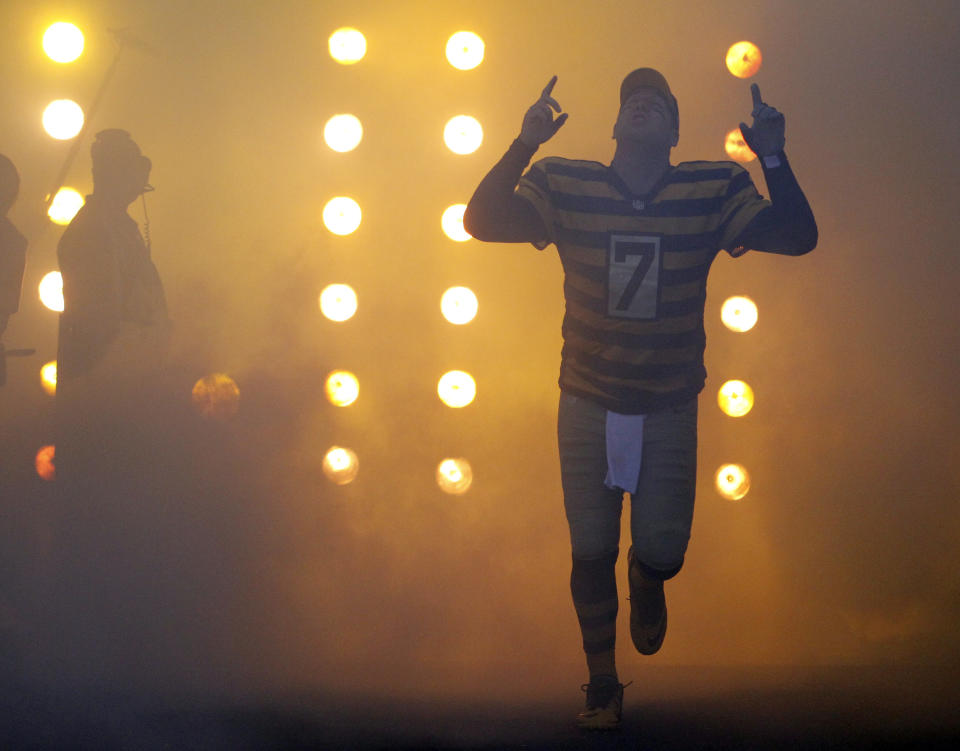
(539, 124)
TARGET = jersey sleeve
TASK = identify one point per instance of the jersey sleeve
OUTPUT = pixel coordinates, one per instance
(742, 203)
(534, 187)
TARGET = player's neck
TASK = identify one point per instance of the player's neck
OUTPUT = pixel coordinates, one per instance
(640, 166)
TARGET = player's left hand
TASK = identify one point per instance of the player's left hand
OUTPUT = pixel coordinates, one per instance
(766, 137)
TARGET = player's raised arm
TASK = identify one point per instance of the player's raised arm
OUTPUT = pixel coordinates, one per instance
(495, 213)
(788, 226)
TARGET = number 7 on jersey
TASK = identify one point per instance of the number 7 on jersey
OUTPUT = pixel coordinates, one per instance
(633, 281)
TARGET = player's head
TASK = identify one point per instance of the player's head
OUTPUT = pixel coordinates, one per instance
(119, 168)
(9, 184)
(648, 109)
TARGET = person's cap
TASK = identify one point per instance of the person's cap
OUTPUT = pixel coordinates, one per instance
(115, 151)
(653, 79)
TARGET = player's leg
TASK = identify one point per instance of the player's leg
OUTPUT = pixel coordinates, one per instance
(593, 513)
(661, 516)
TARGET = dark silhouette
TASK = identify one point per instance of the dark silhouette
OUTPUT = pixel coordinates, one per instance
(13, 254)
(636, 239)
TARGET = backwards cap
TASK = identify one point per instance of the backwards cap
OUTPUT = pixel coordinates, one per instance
(653, 79)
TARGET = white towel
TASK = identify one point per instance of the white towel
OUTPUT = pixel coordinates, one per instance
(624, 451)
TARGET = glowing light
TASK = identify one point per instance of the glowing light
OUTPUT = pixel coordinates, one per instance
(739, 313)
(63, 119)
(338, 302)
(51, 291)
(216, 397)
(735, 398)
(343, 133)
(48, 377)
(64, 206)
(457, 389)
(733, 482)
(463, 134)
(340, 465)
(737, 148)
(45, 465)
(744, 59)
(452, 223)
(341, 215)
(454, 476)
(343, 388)
(465, 50)
(63, 42)
(459, 305)
(347, 46)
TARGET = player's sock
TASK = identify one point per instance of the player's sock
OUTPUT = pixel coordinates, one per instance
(593, 584)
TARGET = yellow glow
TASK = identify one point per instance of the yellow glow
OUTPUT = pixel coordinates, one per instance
(63, 42)
(743, 59)
(338, 302)
(51, 291)
(737, 148)
(64, 206)
(341, 215)
(457, 389)
(463, 134)
(216, 397)
(459, 305)
(343, 133)
(454, 476)
(340, 465)
(48, 377)
(45, 463)
(735, 398)
(739, 313)
(343, 388)
(452, 223)
(465, 50)
(63, 119)
(347, 46)
(733, 482)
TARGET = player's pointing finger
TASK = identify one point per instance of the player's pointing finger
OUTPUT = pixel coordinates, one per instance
(549, 88)
(755, 92)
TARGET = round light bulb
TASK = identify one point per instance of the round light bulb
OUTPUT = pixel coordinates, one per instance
(343, 388)
(63, 119)
(347, 46)
(744, 59)
(342, 215)
(463, 134)
(457, 389)
(459, 305)
(465, 50)
(48, 377)
(64, 206)
(51, 291)
(63, 42)
(732, 481)
(340, 465)
(735, 398)
(343, 133)
(739, 313)
(216, 397)
(452, 223)
(338, 302)
(454, 476)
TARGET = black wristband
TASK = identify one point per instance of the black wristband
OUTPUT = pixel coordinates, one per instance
(521, 151)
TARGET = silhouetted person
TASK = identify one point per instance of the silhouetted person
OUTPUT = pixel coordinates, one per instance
(112, 340)
(636, 239)
(13, 253)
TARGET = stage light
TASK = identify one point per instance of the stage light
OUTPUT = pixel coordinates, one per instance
(452, 223)
(737, 148)
(463, 134)
(338, 302)
(735, 398)
(347, 46)
(341, 215)
(343, 133)
(732, 482)
(739, 313)
(454, 476)
(459, 305)
(63, 42)
(343, 388)
(216, 397)
(744, 59)
(63, 119)
(457, 389)
(340, 465)
(465, 50)
(64, 206)
(51, 291)
(45, 465)
(48, 377)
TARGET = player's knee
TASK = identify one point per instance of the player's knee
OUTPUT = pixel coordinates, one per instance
(660, 554)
